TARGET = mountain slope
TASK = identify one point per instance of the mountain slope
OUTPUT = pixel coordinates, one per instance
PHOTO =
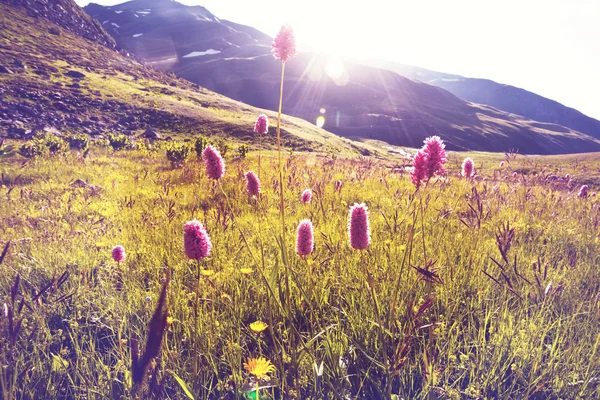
(53, 77)
(359, 101)
(504, 97)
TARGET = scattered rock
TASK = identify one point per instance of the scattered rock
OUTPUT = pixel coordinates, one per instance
(54, 31)
(75, 74)
(152, 134)
(4, 70)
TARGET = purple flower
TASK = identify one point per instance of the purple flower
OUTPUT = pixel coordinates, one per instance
(468, 168)
(215, 166)
(262, 124)
(306, 196)
(593, 194)
(304, 238)
(583, 192)
(435, 152)
(196, 241)
(501, 164)
(284, 44)
(252, 183)
(118, 253)
(515, 175)
(358, 227)
(419, 172)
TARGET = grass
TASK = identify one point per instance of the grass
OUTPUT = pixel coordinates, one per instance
(487, 290)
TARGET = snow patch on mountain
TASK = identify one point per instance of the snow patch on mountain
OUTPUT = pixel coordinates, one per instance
(201, 53)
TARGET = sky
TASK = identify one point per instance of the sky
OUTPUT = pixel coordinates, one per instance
(549, 47)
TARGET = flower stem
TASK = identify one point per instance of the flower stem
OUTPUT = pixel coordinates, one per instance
(196, 319)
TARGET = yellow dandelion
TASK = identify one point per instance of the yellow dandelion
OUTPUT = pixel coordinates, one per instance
(170, 320)
(258, 326)
(246, 271)
(387, 242)
(309, 262)
(100, 245)
(259, 367)
(207, 272)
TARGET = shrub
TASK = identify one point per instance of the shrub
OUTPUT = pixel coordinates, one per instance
(32, 149)
(118, 142)
(177, 153)
(243, 150)
(78, 142)
(223, 146)
(54, 144)
(199, 145)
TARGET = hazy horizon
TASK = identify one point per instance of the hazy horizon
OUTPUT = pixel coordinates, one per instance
(546, 47)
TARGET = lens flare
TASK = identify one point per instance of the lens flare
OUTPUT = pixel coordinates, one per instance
(322, 110)
(320, 121)
(335, 68)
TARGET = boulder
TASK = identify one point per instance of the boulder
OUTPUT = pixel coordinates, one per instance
(4, 70)
(75, 74)
(151, 134)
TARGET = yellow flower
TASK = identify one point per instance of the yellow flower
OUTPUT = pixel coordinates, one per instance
(259, 367)
(191, 296)
(258, 326)
(387, 242)
(207, 272)
(246, 271)
(170, 320)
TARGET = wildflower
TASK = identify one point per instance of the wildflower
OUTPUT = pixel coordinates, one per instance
(337, 186)
(207, 272)
(215, 166)
(501, 164)
(262, 124)
(304, 238)
(436, 156)
(593, 194)
(196, 241)
(246, 271)
(118, 253)
(468, 169)
(259, 367)
(358, 227)
(284, 44)
(252, 184)
(306, 196)
(515, 175)
(258, 326)
(583, 192)
(419, 173)
(170, 320)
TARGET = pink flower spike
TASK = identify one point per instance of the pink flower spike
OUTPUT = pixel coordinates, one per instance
(583, 192)
(306, 196)
(468, 168)
(359, 232)
(304, 238)
(262, 124)
(515, 175)
(435, 152)
(118, 253)
(501, 164)
(215, 166)
(284, 44)
(419, 173)
(196, 242)
(252, 184)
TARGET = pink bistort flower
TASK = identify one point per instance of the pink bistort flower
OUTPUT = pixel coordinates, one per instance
(434, 149)
(196, 242)
(284, 44)
(583, 191)
(306, 196)
(468, 168)
(419, 169)
(304, 238)
(215, 166)
(252, 183)
(262, 124)
(359, 232)
(118, 253)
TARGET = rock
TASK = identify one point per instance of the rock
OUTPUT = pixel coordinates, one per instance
(79, 183)
(151, 134)
(43, 128)
(54, 31)
(75, 74)
(4, 70)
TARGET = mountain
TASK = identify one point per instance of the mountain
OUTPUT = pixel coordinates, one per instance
(503, 97)
(357, 101)
(60, 71)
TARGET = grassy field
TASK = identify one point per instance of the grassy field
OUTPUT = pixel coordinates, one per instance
(469, 290)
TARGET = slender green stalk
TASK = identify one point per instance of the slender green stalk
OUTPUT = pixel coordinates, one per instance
(196, 319)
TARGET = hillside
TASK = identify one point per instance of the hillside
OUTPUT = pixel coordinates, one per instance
(359, 101)
(51, 78)
(504, 97)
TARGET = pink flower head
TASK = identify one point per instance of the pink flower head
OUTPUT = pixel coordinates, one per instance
(515, 175)
(593, 194)
(118, 253)
(338, 185)
(434, 149)
(262, 124)
(284, 44)
(468, 169)
(304, 238)
(358, 227)
(252, 183)
(215, 166)
(567, 176)
(306, 196)
(583, 192)
(196, 242)
(419, 173)
(501, 164)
